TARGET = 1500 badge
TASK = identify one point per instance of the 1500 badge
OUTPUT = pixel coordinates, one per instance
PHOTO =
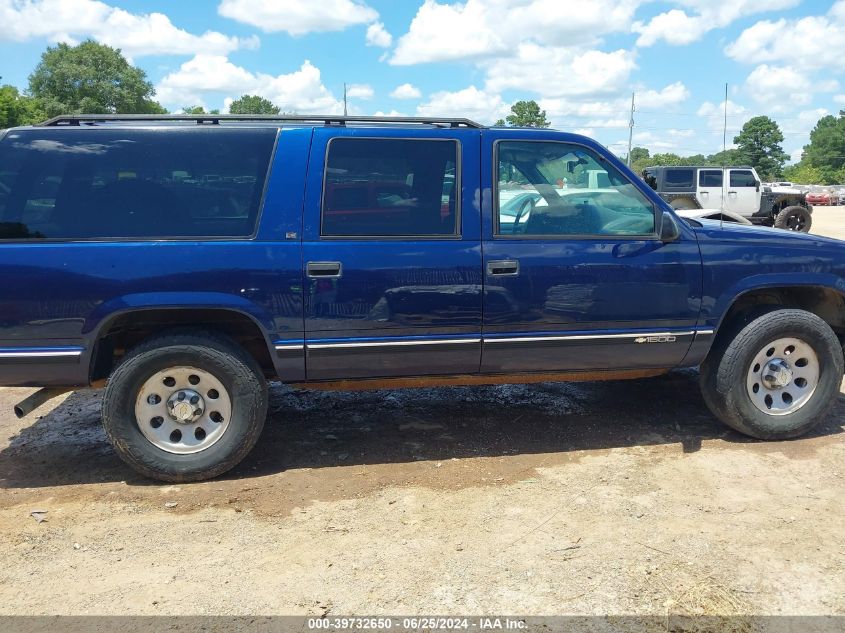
(667, 338)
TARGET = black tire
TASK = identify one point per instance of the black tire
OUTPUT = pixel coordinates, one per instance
(795, 218)
(723, 374)
(228, 362)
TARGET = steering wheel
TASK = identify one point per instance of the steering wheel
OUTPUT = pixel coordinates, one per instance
(525, 208)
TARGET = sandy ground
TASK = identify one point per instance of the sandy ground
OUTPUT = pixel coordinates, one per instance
(591, 498)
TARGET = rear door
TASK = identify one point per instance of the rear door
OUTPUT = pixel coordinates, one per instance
(392, 253)
(710, 188)
(579, 280)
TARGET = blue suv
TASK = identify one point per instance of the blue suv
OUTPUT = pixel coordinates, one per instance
(183, 261)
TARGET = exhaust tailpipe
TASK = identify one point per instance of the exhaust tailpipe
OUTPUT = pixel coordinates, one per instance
(31, 403)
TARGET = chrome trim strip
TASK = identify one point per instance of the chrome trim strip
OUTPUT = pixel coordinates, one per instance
(459, 341)
(705, 332)
(39, 354)
(283, 348)
(582, 337)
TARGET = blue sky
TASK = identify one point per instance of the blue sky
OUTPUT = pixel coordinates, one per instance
(580, 59)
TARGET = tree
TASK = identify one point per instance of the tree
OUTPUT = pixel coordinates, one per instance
(18, 109)
(826, 150)
(253, 104)
(759, 145)
(198, 110)
(525, 114)
(91, 78)
(640, 159)
(803, 174)
(726, 158)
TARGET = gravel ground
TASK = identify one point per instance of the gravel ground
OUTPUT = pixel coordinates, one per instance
(591, 498)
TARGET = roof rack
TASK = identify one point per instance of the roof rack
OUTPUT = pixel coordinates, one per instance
(216, 119)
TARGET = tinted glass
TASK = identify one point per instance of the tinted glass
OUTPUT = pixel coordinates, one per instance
(124, 183)
(650, 178)
(558, 189)
(390, 187)
(679, 178)
(742, 178)
(710, 178)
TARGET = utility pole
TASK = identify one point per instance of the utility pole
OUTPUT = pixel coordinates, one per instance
(344, 99)
(631, 129)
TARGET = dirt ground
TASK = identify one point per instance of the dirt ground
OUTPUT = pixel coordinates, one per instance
(590, 498)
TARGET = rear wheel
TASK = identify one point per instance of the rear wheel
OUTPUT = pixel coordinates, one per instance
(795, 218)
(777, 377)
(185, 407)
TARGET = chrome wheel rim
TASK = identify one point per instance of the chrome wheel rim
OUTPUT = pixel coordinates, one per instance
(783, 376)
(183, 410)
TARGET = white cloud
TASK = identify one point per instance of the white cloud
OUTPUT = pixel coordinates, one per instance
(477, 29)
(560, 71)
(360, 91)
(377, 35)
(808, 43)
(778, 89)
(136, 34)
(296, 17)
(681, 27)
(470, 102)
(298, 91)
(406, 91)
(665, 98)
(840, 99)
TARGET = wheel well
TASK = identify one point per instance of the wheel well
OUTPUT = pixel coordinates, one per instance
(129, 329)
(826, 303)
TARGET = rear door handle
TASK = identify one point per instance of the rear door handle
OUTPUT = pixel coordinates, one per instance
(323, 269)
(503, 267)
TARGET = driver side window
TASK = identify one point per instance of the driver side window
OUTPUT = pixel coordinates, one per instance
(550, 189)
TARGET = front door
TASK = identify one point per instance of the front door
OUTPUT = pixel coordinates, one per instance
(743, 192)
(392, 254)
(575, 275)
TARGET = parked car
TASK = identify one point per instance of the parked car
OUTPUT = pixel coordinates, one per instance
(736, 189)
(344, 252)
(822, 198)
(712, 214)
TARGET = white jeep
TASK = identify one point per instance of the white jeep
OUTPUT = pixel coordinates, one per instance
(735, 189)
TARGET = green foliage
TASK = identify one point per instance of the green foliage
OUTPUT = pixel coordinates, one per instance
(759, 145)
(525, 114)
(91, 78)
(17, 109)
(803, 174)
(198, 110)
(826, 150)
(253, 104)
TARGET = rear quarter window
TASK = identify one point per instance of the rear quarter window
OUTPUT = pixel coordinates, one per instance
(679, 178)
(153, 183)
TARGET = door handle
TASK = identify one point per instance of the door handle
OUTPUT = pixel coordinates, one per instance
(323, 269)
(503, 268)
(732, 193)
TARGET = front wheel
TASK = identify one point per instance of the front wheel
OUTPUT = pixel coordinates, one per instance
(795, 218)
(777, 377)
(185, 407)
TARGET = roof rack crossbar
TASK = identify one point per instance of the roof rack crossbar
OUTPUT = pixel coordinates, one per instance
(215, 119)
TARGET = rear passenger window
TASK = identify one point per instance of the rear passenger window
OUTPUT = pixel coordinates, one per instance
(130, 183)
(390, 187)
(710, 178)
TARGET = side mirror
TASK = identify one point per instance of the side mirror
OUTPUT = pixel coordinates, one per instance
(757, 185)
(669, 231)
